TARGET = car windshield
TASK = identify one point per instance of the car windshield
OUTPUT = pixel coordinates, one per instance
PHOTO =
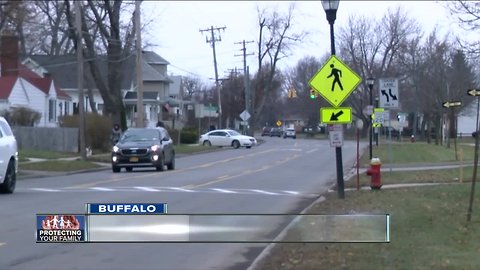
(233, 133)
(140, 135)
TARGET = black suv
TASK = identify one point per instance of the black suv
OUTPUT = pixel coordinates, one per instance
(143, 147)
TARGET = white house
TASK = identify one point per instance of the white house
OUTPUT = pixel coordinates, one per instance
(467, 119)
(20, 87)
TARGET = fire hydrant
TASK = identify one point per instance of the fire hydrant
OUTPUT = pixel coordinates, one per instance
(374, 172)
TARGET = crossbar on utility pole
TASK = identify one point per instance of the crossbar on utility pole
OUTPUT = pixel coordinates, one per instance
(212, 40)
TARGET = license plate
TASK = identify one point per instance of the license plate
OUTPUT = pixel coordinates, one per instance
(134, 159)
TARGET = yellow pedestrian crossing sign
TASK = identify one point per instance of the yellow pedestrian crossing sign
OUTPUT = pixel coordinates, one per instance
(335, 81)
(336, 115)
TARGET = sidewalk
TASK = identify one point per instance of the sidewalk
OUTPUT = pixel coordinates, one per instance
(28, 174)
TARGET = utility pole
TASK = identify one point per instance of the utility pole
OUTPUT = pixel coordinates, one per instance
(246, 84)
(212, 40)
(81, 99)
(138, 44)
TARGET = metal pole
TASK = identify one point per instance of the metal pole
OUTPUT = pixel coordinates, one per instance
(475, 165)
(138, 44)
(81, 100)
(371, 122)
(358, 158)
(338, 150)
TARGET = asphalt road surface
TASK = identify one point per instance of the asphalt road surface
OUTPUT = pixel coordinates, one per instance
(280, 176)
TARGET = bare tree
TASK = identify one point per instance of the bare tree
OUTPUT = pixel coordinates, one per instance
(275, 41)
(115, 38)
(372, 48)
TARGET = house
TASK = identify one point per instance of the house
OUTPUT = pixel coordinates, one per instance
(466, 120)
(20, 87)
(159, 100)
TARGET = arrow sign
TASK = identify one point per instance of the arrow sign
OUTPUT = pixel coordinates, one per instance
(449, 104)
(336, 115)
(474, 92)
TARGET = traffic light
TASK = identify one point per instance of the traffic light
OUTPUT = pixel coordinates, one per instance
(313, 94)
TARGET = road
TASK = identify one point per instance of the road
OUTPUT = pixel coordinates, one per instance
(279, 176)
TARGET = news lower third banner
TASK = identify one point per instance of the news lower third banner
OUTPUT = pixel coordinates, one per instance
(150, 224)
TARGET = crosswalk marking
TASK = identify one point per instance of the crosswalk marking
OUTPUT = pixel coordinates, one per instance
(233, 191)
(147, 189)
(181, 189)
(223, 190)
(264, 192)
(102, 189)
(46, 189)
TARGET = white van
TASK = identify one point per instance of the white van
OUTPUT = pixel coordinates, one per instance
(8, 158)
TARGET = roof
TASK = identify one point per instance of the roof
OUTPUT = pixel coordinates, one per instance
(64, 68)
(153, 58)
(41, 83)
(146, 95)
(6, 86)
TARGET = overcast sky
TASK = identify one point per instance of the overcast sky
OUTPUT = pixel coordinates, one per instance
(175, 29)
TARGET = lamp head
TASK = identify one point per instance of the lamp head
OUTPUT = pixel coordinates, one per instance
(371, 81)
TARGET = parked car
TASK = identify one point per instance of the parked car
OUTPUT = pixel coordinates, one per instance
(226, 137)
(290, 133)
(144, 147)
(276, 132)
(266, 131)
(8, 158)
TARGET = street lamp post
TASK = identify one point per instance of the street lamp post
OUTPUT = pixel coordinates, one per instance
(370, 83)
(331, 7)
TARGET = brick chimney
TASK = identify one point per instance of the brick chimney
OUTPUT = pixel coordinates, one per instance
(9, 55)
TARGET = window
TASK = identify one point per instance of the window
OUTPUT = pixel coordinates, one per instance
(52, 110)
(6, 129)
(60, 108)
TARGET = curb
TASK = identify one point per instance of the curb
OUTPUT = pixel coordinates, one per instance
(267, 250)
(42, 174)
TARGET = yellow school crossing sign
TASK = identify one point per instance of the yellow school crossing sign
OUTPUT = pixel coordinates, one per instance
(335, 81)
(336, 115)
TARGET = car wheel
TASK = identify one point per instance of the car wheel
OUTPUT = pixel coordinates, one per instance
(171, 165)
(161, 166)
(207, 143)
(8, 185)
(236, 144)
(294, 137)
(129, 169)
(116, 169)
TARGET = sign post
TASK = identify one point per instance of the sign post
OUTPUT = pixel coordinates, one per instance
(475, 93)
(335, 81)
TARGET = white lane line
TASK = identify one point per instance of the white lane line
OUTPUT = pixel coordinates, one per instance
(311, 151)
(264, 192)
(102, 189)
(291, 192)
(223, 190)
(2, 244)
(46, 189)
(181, 189)
(147, 189)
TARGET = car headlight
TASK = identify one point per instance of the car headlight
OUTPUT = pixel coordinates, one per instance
(115, 149)
(155, 148)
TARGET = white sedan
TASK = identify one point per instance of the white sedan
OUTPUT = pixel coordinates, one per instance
(226, 137)
(8, 158)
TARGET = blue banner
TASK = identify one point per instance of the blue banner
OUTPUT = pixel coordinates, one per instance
(127, 208)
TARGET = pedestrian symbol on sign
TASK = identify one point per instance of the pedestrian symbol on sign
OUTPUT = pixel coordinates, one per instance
(336, 73)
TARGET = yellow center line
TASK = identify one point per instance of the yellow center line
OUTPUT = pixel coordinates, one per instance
(130, 177)
(225, 178)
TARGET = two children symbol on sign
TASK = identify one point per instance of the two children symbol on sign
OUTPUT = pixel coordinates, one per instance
(336, 73)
